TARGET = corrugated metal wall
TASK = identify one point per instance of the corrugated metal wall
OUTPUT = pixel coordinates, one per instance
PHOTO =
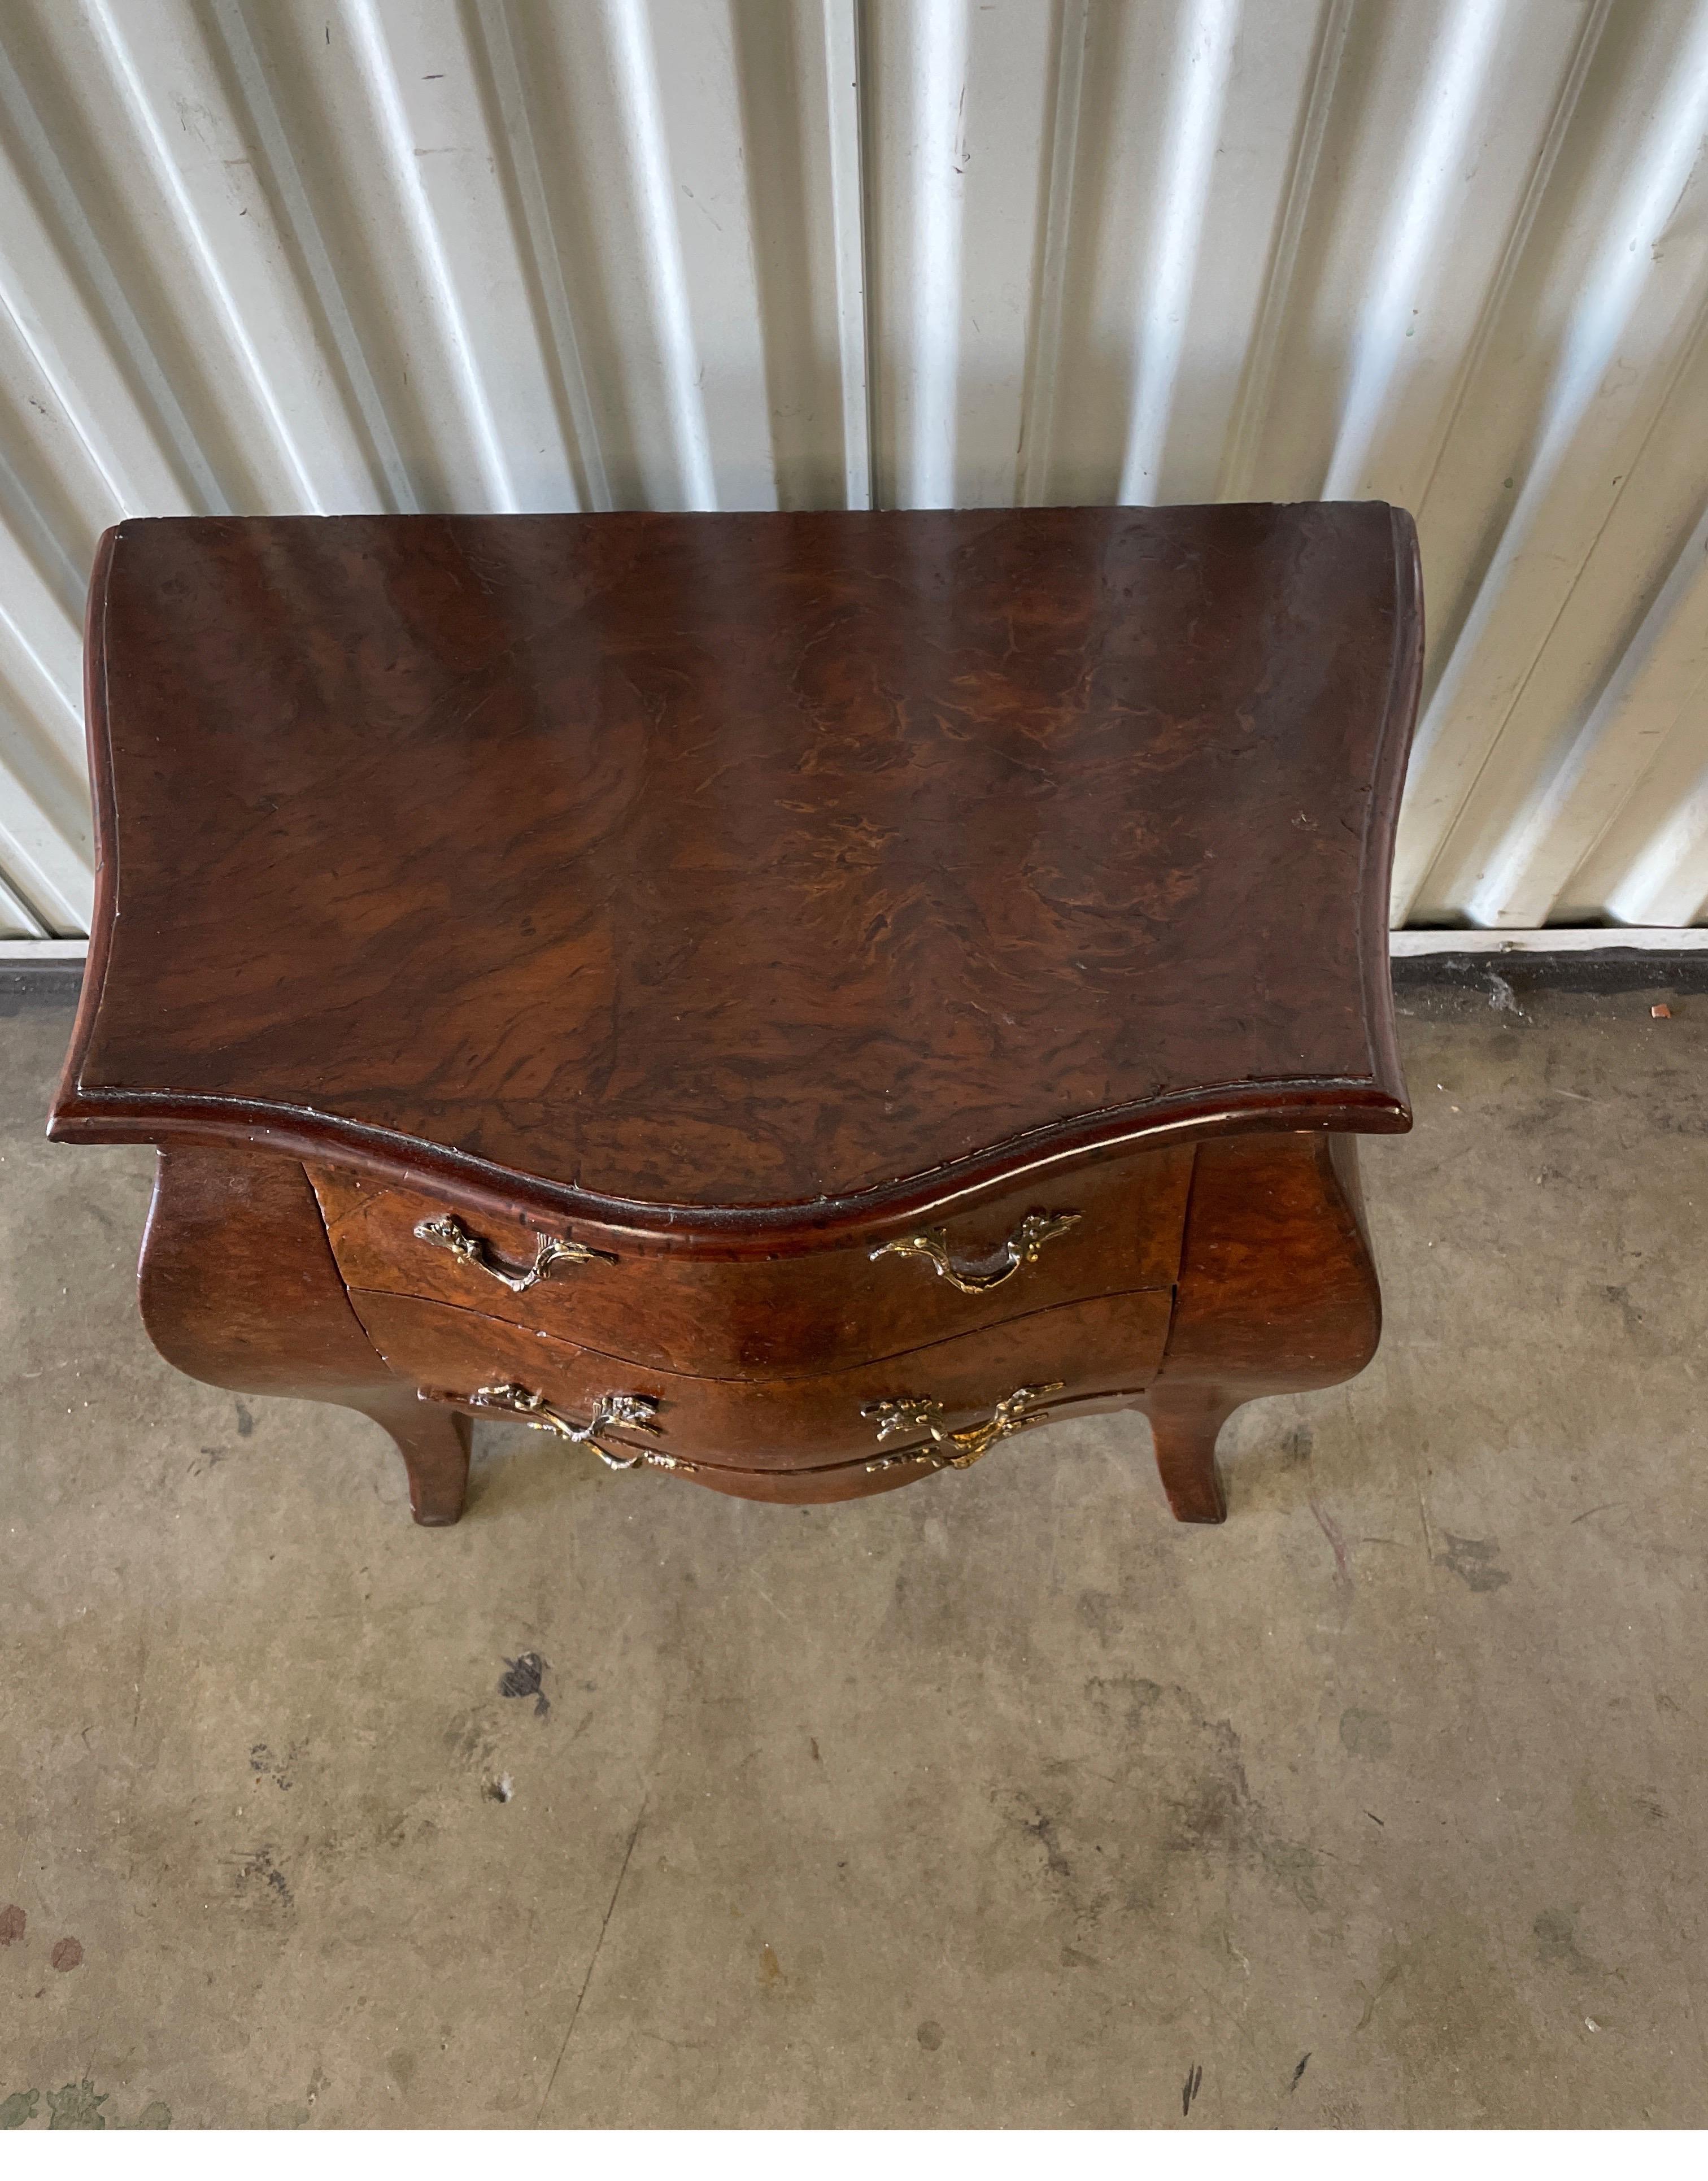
(368, 254)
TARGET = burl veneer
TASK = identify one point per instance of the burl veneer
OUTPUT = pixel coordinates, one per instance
(792, 1001)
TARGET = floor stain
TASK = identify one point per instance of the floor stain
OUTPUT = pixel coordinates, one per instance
(260, 1871)
(68, 1954)
(1159, 1796)
(1389, 1974)
(521, 1677)
(1337, 1544)
(1100, 1612)
(1455, 2012)
(266, 1766)
(1556, 1933)
(1473, 1559)
(1042, 1829)
(1366, 1733)
(77, 2106)
(1220, 1814)
(13, 1924)
(1140, 1694)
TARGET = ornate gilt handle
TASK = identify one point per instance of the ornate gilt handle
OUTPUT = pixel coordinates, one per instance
(980, 1276)
(634, 1411)
(954, 1450)
(448, 1232)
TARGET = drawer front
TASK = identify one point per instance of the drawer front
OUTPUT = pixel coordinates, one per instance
(912, 1413)
(860, 1478)
(1106, 1227)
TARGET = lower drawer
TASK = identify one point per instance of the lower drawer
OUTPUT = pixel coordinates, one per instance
(862, 1476)
(936, 1405)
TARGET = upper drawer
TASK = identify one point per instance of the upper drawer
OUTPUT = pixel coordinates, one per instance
(1107, 1227)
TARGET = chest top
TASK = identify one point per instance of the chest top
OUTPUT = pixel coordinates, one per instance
(743, 872)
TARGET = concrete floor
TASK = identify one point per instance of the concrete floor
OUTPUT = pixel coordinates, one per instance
(1001, 1801)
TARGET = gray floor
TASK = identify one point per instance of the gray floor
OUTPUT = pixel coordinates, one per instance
(999, 1800)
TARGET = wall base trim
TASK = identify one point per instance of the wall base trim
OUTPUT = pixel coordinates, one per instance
(1590, 939)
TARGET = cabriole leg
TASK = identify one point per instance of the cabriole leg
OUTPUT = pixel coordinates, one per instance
(1277, 1294)
(434, 1444)
(238, 1288)
(1184, 1421)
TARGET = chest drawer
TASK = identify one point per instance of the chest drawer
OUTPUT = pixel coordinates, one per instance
(879, 1413)
(1112, 1226)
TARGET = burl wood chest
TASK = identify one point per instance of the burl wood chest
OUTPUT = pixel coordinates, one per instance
(791, 1001)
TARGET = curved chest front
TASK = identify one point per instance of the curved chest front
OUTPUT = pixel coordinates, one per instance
(847, 1368)
(1180, 1280)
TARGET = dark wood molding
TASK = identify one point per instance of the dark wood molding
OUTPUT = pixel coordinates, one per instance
(199, 620)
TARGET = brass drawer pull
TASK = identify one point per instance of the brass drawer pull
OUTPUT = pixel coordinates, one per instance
(978, 1276)
(954, 1450)
(449, 1232)
(636, 1411)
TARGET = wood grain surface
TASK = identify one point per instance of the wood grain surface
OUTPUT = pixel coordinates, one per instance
(743, 873)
